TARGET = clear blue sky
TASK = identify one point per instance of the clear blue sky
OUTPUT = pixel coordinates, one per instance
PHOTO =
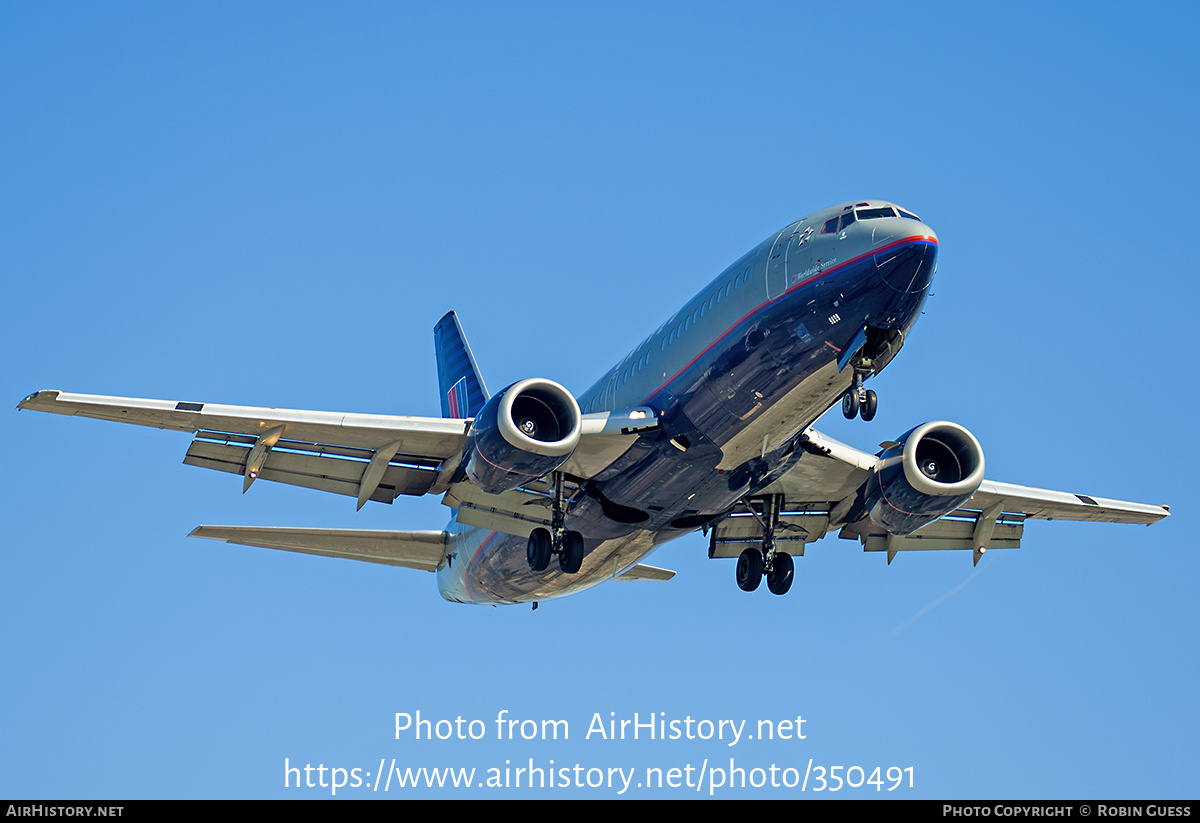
(272, 203)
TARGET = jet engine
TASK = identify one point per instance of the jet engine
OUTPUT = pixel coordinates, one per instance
(928, 472)
(522, 433)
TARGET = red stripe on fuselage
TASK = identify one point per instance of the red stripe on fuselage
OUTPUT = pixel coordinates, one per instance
(919, 238)
(487, 541)
(471, 564)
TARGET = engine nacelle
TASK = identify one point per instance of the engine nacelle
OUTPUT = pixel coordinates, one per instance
(931, 471)
(526, 431)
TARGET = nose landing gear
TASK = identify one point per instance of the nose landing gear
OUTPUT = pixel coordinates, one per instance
(858, 400)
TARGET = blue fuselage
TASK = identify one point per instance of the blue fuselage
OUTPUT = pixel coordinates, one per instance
(735, 376)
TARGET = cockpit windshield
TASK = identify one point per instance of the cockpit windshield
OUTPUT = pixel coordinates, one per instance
(871, 214)
(858, 212)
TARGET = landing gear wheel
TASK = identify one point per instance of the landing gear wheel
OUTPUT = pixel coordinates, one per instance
(749, 570)
(779, 579)
(571, 557)
(537, 550)
(850, 404)
(867, 411)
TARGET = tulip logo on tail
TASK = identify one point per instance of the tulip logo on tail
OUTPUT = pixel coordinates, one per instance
(457, 398)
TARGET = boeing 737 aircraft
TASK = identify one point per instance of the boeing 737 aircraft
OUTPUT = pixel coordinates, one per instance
(706, 424)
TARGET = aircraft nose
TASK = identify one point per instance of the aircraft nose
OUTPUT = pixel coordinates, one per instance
(907, 264)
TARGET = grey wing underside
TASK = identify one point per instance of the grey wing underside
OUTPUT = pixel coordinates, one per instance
(370, 457)
(379, 457)
(367, 456)
(820, 490)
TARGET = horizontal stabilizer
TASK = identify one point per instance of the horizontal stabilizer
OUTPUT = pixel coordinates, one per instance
(424, 550)
(643, 572)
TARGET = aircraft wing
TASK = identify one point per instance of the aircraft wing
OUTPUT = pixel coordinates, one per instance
(1044, 504)
(820, 491)
(368, 456)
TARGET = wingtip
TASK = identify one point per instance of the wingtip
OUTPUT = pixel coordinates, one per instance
(40, 395)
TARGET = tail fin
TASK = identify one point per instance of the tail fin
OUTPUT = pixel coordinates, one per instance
(463, 392)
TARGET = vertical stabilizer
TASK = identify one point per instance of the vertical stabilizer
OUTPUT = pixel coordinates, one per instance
(463, 391)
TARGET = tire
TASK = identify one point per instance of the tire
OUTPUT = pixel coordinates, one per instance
(849, 404)
(868, 408)
(537, 550)
(749, 570)
(779, 579)
(572, 553)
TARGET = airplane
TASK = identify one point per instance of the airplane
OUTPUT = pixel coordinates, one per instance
(705, 425)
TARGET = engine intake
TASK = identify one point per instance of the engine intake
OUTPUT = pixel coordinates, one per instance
(930, 471)
(522, 433)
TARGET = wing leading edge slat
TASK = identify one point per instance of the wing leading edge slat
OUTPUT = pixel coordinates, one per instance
(432, 437)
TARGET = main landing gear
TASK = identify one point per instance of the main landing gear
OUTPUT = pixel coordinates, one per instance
(541, 545)
(858, 400)
(776, 566)
(568, 545)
